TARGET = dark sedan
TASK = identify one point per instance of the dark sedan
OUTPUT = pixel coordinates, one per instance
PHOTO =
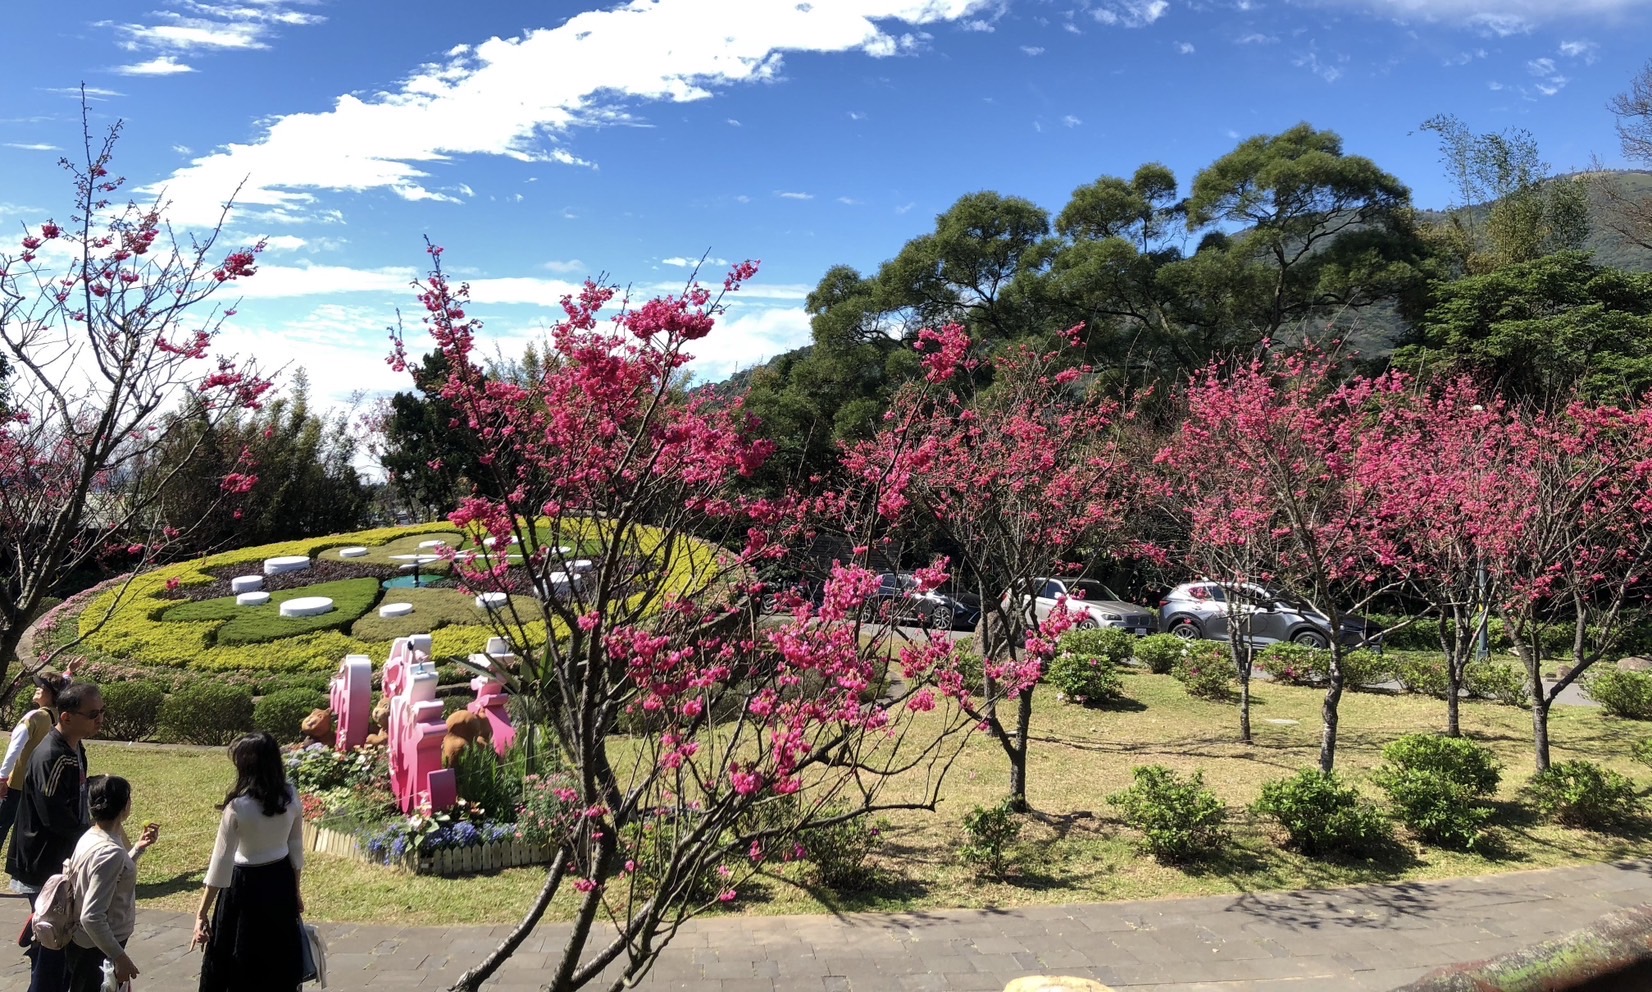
(898, 598)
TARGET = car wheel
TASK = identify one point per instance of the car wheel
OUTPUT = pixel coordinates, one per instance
(1187, 630)
(1088, 623)
(869, 612)
(1311, 639)
(941, 618)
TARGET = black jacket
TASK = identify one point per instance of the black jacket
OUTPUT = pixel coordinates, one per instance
(54, 812)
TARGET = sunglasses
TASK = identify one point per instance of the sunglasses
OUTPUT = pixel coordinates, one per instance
(96, 714)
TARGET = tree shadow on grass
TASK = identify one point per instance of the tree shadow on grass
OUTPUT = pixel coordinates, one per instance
(182, 882)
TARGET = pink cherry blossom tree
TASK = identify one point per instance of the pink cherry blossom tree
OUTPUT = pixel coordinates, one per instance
(107, 321)
(1017, 459)
(1292, 497)
(701, 745)
(1570, 542)
(1448, 456)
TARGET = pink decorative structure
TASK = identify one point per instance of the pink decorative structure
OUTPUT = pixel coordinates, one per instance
(416, 728)
(490, 695)
(350, 697)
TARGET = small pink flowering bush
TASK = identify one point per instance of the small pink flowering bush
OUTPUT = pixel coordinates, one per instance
(1205, 670)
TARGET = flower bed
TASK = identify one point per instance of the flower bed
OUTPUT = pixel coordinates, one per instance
(349, 812)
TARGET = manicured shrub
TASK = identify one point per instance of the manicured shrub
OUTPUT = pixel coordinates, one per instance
(1438, 810)
(1583, 794)
(1424, 634)
(1159, 652)
(1434, 783)
(281, 713)
(1497, 682)
(1321, 815)
(990, 834)
(1456, 758)
(1180, 820)
(1206, 670)
(1117, 646)
(206, 712)
(1362, 669)
(1294, 664)
(132, 710)
(1084, 678)
(1421, 672)
(1620, 693)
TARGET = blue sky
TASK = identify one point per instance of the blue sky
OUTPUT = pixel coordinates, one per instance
(540, 143)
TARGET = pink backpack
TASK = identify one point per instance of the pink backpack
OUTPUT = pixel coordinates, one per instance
(57, 910)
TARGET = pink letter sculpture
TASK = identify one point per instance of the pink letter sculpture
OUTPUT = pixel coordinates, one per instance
(351, 700)
(416, 728)
(490, 695)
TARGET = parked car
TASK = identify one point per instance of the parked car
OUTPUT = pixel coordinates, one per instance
(898, 598)
(781, 597)
(1201, 611)
(1102, 606)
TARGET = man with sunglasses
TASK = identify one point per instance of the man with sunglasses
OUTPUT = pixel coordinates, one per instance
(54, 812)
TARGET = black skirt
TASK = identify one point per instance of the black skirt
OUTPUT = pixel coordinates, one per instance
(255, 941)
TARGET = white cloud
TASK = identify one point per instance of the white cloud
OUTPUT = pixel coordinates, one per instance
(1584, 50)
(32, 147)
(1184, 48)
(1549, 80)
(1032, 50)
(1130, 13)
(977, 24)
(1311, 62)
(165, 65)
(848, 201)
(194, 25)
(522, 97)
(182, 149)
(1494, 85)
(905, 207)
(731, 122)
(1071, 121)
(1540, 67)
(1502, 18)
(789, 195)
(1255, 38)
(856, 115)
(684, 262)
(746, 336)
(283, 242)
(568, 267)
(742, 198)
(91, 92)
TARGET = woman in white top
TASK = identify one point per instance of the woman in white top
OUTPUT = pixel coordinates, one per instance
(253, 942)
(106, 876)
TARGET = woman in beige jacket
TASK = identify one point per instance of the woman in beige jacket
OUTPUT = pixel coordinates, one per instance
(106, 877)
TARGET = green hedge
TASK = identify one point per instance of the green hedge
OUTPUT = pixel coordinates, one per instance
(132, 710)
(206, 712)
(281, 713)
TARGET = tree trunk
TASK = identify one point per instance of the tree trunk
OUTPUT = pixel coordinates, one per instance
(472, 980)
(1018, 752)
(1454, 726)
(1244, 709)
(1540, 727)
(1328, 713)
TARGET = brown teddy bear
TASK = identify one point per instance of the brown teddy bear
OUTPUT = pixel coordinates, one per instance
(318, 727)
(381, 725)
(463, 727)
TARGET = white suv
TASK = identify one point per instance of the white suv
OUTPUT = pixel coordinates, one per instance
(1102, 607)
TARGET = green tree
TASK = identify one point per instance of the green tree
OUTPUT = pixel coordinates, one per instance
(430, 460)
(1509, 209)
(1314, 232)
(303, 460)
(1537, 329)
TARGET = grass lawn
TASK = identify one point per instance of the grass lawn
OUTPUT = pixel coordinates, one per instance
(1074, 851)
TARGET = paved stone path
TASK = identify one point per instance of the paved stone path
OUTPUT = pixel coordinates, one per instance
(1374, 937)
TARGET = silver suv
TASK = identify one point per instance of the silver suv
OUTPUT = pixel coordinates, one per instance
(1202, 610)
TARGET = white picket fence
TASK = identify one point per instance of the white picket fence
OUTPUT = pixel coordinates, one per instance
(448, 861)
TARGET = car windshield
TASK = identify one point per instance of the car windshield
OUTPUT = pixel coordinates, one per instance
(1090, 589)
